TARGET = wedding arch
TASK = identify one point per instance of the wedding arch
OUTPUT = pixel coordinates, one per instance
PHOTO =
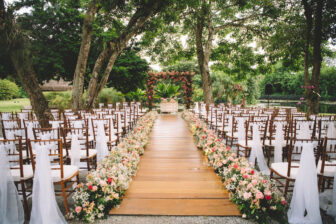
(183, 78)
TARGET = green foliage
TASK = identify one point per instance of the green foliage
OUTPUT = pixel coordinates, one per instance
(166, 90)
(288, 83)
(138, 95)
(8, 90)
(129, 72)
(54, 30)
(110, 95)
(59, 100)
(224, 88)
(197, 94)
(252, 92)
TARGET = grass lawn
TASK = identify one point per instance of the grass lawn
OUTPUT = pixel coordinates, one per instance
(13, 105)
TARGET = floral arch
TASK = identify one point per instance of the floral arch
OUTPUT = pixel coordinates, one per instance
(184, 78)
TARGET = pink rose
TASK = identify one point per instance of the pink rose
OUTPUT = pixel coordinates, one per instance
(94, 188)
(247, 195)
(78, 209)
(245, 176)
(254, 182)
(283, 202)
(259, 195)
(267, 192)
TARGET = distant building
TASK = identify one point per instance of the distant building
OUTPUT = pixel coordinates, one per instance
(54, 85)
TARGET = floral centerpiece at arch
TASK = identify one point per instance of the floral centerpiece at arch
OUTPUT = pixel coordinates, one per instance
(168, 93)
(182, 78)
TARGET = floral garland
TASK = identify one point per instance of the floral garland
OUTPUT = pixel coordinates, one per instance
(106, 185)
(255, 194)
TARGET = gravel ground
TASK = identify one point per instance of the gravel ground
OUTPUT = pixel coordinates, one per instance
(172, 220)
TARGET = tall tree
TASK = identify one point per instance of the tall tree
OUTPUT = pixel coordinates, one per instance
(13, 41)
(79, 75)
(144, 12)
(208, 22)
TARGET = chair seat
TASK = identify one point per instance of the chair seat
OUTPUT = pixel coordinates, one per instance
(243, 143)
(69, 171)
(282, 168)
(329, 171)
(27, 172)
(272, 144)
(92, 153)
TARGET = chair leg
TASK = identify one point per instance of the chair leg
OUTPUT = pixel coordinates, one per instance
(286, 188)
(25, 201)
(88, 164)
(64, 195)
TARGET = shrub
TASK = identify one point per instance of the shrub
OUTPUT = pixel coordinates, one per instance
(8, 90)
(59, 100)
(110, 95)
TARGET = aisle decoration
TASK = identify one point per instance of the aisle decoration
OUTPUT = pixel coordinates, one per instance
(106, 185)
(256, 196)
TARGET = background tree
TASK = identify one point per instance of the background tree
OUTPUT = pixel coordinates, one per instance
(13, 41)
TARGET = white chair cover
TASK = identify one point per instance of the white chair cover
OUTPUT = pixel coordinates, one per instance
(257, 152)
(55, 124)
(278, 142)
(305, 195)
(331, 131)
(90, 127)
(241, 130)
(101, 143)
(30, 133)
(75, 152)
(44, 206)
(304, 132)
(11, 210)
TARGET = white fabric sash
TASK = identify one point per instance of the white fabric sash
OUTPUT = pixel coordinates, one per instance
(101, 143)
(75, 152)
(257, 153)
(305, 195)
(278, 142)
(44, 205)
(11, 210)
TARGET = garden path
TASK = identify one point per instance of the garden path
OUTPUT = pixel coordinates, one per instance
(173, 178)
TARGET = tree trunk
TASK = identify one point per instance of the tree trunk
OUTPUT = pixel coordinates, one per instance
(115, 48)
(317, 59)
(78, 80)
(94, 89)
(22, 64)
(308, 15)
(203, 55)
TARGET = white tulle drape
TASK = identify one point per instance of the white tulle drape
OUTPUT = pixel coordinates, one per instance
(304, 132)
(331, 131)
(305, 195)
(257, 152)
(44, 206)
(75, 152)
(278, 142)
(101, 143)
(241, 130)
(11, 210)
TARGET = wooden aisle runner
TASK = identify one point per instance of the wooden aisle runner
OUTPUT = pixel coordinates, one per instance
(173, 178)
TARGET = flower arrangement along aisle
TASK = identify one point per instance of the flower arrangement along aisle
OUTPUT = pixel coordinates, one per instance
(106, 185)
(256, 196)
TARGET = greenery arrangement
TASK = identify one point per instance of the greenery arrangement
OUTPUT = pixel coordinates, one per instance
(8, 90)
(256, 196)
(166, 90)
(106, 185)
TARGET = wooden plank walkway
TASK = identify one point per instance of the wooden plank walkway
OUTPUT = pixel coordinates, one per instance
(173, 178)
